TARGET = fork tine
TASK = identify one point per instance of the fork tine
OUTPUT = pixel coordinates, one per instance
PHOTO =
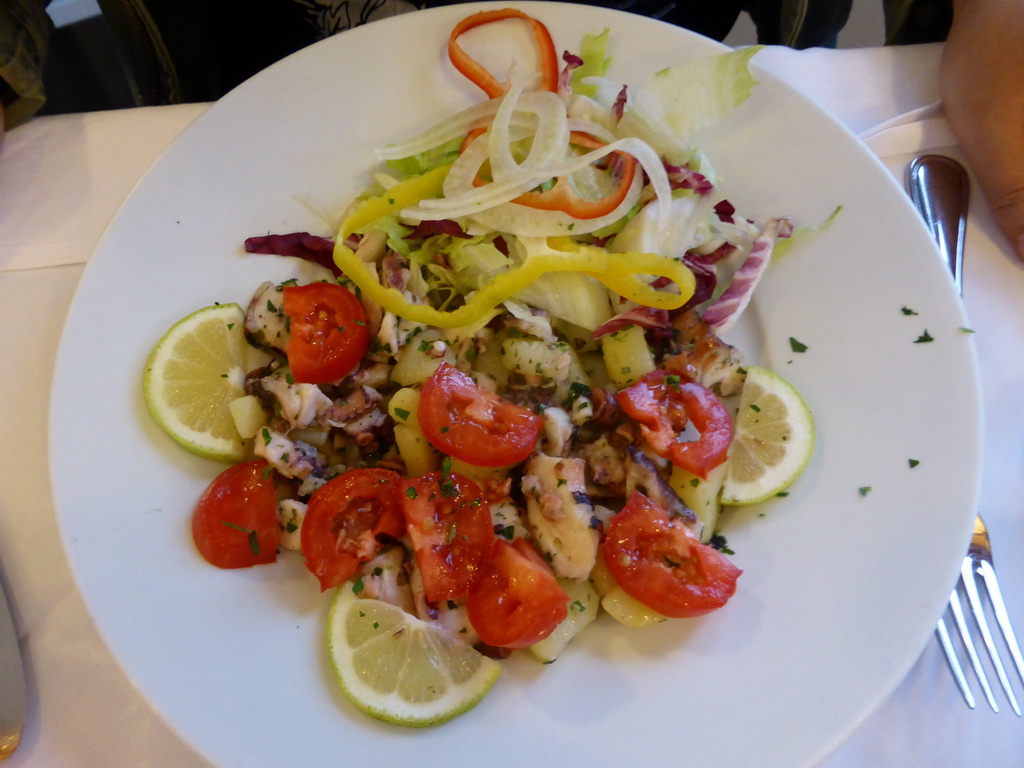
(961, 624)
(988, 575)
(954, 662)
(974, 600)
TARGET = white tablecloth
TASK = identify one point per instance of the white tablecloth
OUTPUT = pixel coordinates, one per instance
(61, 180)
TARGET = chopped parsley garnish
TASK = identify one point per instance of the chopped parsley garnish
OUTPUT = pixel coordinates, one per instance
(251, 535)
(924, 338)
(797, 346)
(719, 542)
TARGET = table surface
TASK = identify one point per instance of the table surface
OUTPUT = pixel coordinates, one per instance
(61, 180)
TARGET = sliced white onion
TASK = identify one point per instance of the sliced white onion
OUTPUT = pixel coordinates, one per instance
(498, 149)
(458, 124)
(463, 199)
(532, 222)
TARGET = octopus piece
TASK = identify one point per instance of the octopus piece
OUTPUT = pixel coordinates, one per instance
(290, 513)
(384, 578)
(704, 357)
(642, 475)
(266, 324)
(291, 458)
(558, 429)
(358, 413)
(560, 514)
(607, 465)
(507, 519)
(299, 404)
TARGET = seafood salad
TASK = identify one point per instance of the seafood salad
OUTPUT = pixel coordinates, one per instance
(510, 383)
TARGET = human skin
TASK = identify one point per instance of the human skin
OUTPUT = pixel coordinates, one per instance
(982, 87)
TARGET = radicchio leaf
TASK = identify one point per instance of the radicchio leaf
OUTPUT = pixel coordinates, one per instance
(728, 307)
(619, 105)
(436, 227)
(645, 317)
(301, 245)
(681, 177)
(726, 211)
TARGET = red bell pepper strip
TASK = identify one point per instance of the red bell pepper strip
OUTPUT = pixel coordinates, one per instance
(561, 196)
(478, 75)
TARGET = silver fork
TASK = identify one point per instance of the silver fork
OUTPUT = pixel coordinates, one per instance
(940, 188)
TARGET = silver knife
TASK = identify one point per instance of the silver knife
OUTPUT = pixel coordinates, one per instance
(12, 682)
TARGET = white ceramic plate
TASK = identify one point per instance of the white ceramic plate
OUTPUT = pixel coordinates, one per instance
(840, 590)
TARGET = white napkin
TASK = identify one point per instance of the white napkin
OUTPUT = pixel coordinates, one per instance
(58, 213)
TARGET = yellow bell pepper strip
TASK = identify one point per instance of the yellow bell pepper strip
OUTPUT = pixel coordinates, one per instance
(401, 195)
(617, 270)
(627, 284)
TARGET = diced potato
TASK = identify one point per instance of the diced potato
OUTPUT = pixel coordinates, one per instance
(248, 414)
(417, 360)
(601, 577)
(583, 606)
(419, 455)
(488, 359)
(619, 605)
(628, 610)
(627, 356)
(315, 437)
(702, 496)
(535, 358)
(482, 476)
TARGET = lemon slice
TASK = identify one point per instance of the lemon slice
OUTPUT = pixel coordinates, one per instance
(194, 373)
(399, 668)
(773, 439)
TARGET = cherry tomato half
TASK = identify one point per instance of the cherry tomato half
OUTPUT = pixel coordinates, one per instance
(234, 525)
(475, 426)
(344, 519)
(657, 560)
(660, 400)
(449, 526)
(517, 601)
(329, 335)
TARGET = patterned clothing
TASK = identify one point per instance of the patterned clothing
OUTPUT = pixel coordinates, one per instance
(197, 50)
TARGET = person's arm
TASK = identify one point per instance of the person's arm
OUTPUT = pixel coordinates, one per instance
(982, 85)
(24, 33)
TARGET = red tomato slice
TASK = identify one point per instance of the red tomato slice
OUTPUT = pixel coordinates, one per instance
(234, 525)
(449, 525)
(329, 335)
(344, 519)
(517, 601)
(477, 427)
(657, 560)
(661, 400)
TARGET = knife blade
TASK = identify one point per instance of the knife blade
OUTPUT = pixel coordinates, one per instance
(12, 682)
